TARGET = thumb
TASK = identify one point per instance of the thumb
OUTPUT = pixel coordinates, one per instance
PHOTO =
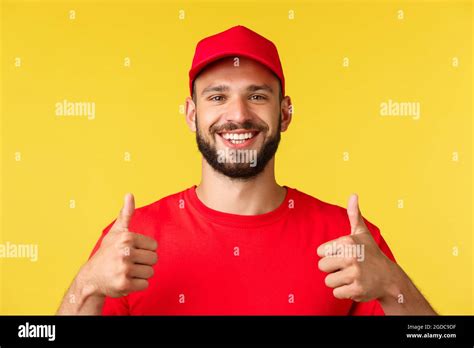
(126, 212)
(355, 217)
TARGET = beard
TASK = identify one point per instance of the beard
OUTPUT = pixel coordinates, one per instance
(239, 171)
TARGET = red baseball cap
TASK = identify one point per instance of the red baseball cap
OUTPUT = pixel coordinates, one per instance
(236, 41)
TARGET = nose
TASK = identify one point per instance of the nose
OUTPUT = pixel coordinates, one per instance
(238, 111)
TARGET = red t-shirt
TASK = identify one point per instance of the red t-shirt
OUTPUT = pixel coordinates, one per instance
(215, 263)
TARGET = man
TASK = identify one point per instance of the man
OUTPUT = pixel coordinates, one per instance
(239, 243)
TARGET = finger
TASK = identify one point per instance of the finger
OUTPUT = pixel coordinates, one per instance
(144, 257)
(327, 249)
(137, 284)
(344, 292)
(125, 215)
(332, 263)
(332, 247)
(340, 278)
(141, 271)
(355, 217)
(141, 241)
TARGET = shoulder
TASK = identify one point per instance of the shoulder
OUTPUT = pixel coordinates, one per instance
(331, 215)
(310, 204)
(146, 216)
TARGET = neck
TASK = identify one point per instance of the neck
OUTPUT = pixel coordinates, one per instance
(258, 195)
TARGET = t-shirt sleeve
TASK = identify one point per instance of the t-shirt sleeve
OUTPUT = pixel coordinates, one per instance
(373, 307)
(112, 306)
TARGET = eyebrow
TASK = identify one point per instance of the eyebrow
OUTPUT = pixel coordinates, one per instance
(225, 88)
(264, 87)
(220, 88)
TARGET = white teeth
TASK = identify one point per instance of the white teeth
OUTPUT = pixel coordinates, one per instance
(235, 136)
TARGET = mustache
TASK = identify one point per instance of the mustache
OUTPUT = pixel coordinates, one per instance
(230, 126)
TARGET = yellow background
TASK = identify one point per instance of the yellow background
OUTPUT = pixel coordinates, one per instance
(336, 110)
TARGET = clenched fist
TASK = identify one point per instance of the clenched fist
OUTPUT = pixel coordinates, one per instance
(123, 263)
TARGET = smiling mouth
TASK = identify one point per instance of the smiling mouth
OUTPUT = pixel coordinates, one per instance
(238, 137)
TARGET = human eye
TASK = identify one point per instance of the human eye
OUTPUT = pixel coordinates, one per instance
(258, 97)
(216, 98)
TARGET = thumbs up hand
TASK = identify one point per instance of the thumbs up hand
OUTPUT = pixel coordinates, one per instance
(124, 261)
(358, 269)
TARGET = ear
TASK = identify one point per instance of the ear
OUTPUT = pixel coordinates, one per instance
(286, 113)
(191, 114)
